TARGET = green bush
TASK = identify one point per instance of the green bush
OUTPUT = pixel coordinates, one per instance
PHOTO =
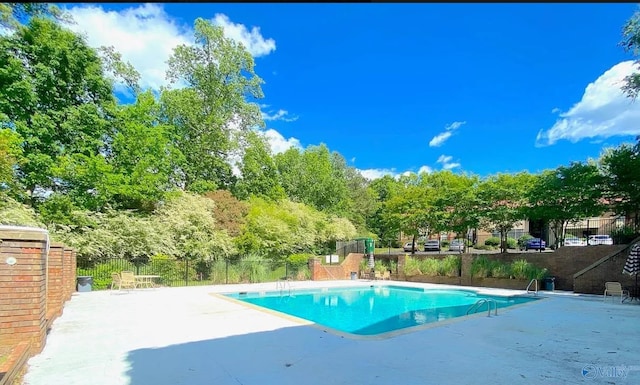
(484, 247)
(624, 235)
(492, 241)
(451, 265)
(252, 270)
(523, 240)
(101, 273)
(444, 244)
(431, 267)
(481, 267)
(412, 267)
(500, 270)
(512, 243)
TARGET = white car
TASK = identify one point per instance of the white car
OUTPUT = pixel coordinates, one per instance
(409, 245)
(574, 241)
(600, 240)
(456, 245)
(432, 245)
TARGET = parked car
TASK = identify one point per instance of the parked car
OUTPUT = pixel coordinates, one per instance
(432, 245)
(456, 245)
(600, 240)
(410, 246)
(535, 244)
(574, 241)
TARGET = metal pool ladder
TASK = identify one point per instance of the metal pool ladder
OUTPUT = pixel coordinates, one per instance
(283, 285)
(535, 292)
(481, 302)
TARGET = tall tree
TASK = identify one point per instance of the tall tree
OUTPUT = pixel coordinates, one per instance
(311, 177)
(53, 92)
(565, 194)
(503, 199)
(259, 172)
(142, 155)
(631, 43)
(621, 167)
(211, 110)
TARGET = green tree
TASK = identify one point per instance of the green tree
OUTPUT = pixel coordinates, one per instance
(565, 194)
(10, 154)
(313, 178)
(259, 172)
(142, 155)
(621, 168)
(631, 43)
(53, 92)
(211, 111)
(457, 201)
(382, 190)
(503, 200)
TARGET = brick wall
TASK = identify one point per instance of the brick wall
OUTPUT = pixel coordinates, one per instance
(320, 272)
(23, 286)
(55, 289)
(592, 281)
(69, 272)
(562, 264)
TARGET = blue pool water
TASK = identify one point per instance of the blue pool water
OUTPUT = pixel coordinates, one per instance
(373, 310)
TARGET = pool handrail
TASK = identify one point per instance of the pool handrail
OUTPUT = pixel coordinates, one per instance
(529, 286)
(481, 302)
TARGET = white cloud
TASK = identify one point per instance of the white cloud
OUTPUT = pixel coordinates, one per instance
(425, 169)
(603, 111)
(146, 35)
(252, 40)
(279, 143)
(445, 160)
(377, 173)
(442, 137)
(277, 115)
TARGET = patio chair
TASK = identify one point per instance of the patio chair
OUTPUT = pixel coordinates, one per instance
(115, 281)
(613, 289)
(127, 280)
(364, 274)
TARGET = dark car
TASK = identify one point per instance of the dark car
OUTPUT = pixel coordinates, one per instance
(535, 244)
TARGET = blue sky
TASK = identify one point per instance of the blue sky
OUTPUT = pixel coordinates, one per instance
(480, 88)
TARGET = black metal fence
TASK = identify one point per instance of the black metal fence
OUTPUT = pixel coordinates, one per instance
(185, 272)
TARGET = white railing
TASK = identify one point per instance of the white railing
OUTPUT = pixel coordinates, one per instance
(535, 292)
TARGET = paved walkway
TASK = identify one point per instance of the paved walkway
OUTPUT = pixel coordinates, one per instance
(172, 336)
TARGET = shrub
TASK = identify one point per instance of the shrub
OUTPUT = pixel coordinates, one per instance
(431, 267)
(623, 235)
(512, 243)
(252, 269)
(451, 265)
(412, 267)
(500, 270)
(481, 267)
(492, 241)
(523, 240)
(484, 247)
(393, 266)
(101, 273)
(522, 269)
(444, 244)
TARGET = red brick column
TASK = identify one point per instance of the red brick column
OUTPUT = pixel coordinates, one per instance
(23, 286)
(69, 269)
(314, 269)
(55, 288)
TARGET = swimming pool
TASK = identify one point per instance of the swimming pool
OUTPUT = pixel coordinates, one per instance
(373, 310)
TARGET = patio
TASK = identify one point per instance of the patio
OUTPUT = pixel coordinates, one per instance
(185, 335)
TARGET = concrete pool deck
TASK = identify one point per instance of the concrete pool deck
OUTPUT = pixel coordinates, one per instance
(171, 336)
